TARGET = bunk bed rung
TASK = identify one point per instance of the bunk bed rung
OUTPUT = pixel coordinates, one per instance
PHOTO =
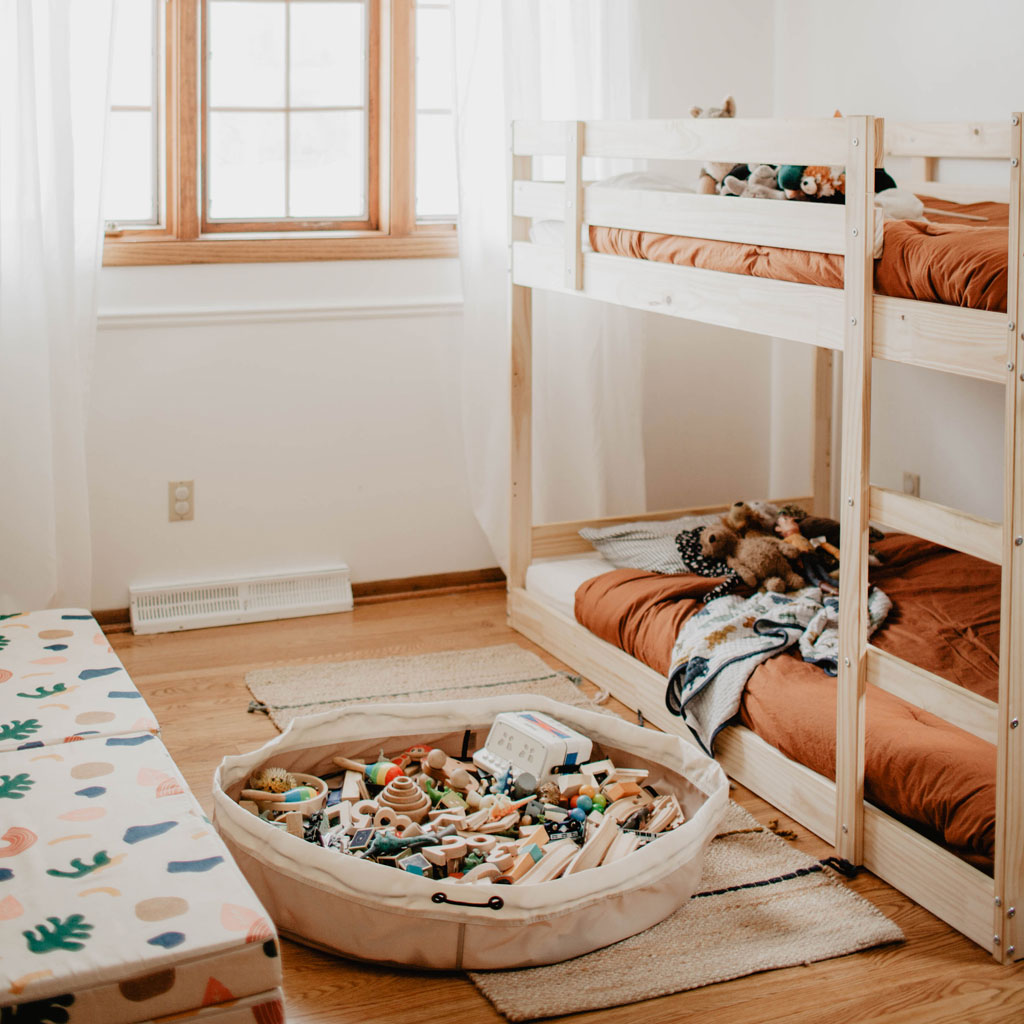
(984, 140)
(796, 312)
(938, 880)
(947, 526)
(812, 227)
(553, 539)
(740, 140)
(932, 693)
(951, 339)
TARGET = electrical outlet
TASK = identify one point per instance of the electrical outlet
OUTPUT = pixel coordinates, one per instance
(181, 500)
(912, 484)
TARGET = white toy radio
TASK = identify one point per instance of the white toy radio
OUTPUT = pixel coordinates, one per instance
(530, 741)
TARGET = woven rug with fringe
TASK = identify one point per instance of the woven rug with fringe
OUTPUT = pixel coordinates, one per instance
(761, 905)
(287, 691)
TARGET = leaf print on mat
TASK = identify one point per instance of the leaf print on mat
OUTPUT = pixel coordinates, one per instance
(17, 730)
(62, 935)
(81, 869)
(14, 787)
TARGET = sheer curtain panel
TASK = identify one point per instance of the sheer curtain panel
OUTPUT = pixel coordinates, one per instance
(560, 59)
(53, 91)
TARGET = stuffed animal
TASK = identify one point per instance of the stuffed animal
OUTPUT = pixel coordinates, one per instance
(789, 529)
(760, 183)
(713, 173)
(756, 559)
(819, 182)
(742, 519)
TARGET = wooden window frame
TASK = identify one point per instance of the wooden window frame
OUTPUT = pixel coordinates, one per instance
(391, 230)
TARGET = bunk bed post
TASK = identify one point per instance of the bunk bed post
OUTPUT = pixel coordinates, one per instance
(520, 314)
(573, 204)
(821, 456)
(1007, 936)
(853, 613)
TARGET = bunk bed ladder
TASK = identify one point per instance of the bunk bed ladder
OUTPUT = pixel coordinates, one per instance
(863, 147)
(1009, 861)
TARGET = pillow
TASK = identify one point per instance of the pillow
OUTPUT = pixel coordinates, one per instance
(648, 545)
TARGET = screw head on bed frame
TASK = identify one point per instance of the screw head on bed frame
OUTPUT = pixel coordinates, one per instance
(1013, 162)
(846, 662)
(855, 232)
(1013, 120)
(856, 142)
(1011, 911)
(999, 902)
(853, 321)
(1018, 541)
(1014, 722)
(845, 829)
(1009, 366)
(995, 940)
(1010, 950)
(1010, 326)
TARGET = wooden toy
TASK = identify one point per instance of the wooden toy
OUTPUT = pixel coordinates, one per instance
(596, 847)
(353, 787)
(435, 765)
(448, 854)
(622, 845)
(361, 839)
(501, 860)
(597, 772)
(384, 845)
(405, 797)
(416, 864)
(665, 813)
(537, 834)
(617, 790)
(382, 772)
(309, 794)
(480, 843)
(272, 779)
(350, 764)
(249, 805)
(569, 785)
(526, 860)
(485, 872)
(556, 859)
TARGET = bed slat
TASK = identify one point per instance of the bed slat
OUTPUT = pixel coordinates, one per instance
(947, 526)
(797, 312)
(932, 693)
(931, 876)
(811, 227)
(951, 339)
(984, 140)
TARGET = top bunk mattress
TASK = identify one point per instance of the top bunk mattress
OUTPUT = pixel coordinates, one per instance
(945, 259)
(945, 619)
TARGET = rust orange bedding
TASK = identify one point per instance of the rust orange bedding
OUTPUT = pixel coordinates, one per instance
(918, 767)
(944, 259)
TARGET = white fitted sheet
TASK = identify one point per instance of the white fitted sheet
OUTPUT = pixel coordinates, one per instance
(554, 580)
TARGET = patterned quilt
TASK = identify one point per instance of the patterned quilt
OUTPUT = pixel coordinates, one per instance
(718, 648)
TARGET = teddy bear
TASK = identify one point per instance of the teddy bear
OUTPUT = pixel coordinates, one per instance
(713, 173)
(756, 558)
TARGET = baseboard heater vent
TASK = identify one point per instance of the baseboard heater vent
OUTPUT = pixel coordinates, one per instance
(163, 609)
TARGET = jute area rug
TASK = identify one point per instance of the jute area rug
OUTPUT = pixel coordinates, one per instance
(761, 903)
(288, 691)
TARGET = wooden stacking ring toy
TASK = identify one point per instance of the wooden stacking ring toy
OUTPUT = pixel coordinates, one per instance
(405, 797)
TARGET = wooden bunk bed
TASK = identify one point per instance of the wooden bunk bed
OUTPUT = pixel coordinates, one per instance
(861, 325)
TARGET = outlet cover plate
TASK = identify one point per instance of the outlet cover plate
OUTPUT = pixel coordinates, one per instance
(173, 515)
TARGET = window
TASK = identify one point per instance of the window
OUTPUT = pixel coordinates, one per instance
(252, 130)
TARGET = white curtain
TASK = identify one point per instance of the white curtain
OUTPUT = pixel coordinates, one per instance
(556, 59)
(54, 58)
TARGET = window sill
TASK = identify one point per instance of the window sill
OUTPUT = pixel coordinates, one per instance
(124, 251)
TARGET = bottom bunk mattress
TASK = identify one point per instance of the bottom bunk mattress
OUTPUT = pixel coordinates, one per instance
(923, 770)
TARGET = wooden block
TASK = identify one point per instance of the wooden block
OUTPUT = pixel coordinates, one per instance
(482, 873)
(569, 785)
(526, 860)
(628, 775)
(293, 823)
(618, 790)
(535, 834)
(666, 811)
(501, 860)
(353, 787)
(597, 771)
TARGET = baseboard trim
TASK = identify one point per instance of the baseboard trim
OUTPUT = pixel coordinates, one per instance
(117, 620)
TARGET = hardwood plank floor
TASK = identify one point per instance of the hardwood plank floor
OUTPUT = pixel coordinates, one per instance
(194, 682)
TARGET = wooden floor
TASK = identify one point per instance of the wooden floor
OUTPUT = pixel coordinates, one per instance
(195, 684)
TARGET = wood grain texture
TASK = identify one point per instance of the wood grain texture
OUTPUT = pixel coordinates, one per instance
(797, 312)
(194, 683)
(1009, 867)
(854, 468)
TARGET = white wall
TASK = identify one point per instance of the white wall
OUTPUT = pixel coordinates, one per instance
(920, 60)
(315, 406)
(707, 402)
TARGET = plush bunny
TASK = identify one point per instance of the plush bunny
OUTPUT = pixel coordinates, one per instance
(712, 174)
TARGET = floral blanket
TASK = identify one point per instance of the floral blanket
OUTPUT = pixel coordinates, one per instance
(719, 647)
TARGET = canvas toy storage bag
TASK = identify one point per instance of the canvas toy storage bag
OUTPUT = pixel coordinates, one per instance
(368, 911)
